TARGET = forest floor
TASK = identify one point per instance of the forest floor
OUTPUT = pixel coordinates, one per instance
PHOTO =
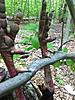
(63, 77)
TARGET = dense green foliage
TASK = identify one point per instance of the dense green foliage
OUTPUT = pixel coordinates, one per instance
(28, 7)
(31, 39)
(33, 7)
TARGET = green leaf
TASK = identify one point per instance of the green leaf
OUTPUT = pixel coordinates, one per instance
(50, 45)
(32, 27)
(57, 64)
(16, 56)
(24, 41)
(59, 80)
(0, 57)
(35, 42)
(27, 37)
(31, 36)
(65, 50)
(29, 48)
(69, 62)
(72, 67)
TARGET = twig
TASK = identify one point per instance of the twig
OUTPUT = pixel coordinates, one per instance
(64, 44)
(21, 52)
(23, 43)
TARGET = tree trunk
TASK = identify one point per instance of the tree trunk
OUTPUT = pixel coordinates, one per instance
(44, 24)
(7, 43)
(70, 4)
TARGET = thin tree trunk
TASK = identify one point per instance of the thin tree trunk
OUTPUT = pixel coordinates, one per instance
(68, 24)
(43, 35)
(70, 4)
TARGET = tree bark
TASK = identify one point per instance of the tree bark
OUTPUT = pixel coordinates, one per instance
(44, 24)
(7, 43)
(71, 8)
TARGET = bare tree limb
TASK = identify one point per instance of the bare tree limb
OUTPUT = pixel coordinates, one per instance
(17, 81)
(64, 44)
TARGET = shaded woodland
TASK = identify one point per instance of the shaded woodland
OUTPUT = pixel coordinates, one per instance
(45, 29)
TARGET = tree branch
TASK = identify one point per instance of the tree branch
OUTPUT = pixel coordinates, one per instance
(17, 81)
(21, 52)
(64, 44)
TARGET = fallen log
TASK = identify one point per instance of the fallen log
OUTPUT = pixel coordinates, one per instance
(13, 83)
